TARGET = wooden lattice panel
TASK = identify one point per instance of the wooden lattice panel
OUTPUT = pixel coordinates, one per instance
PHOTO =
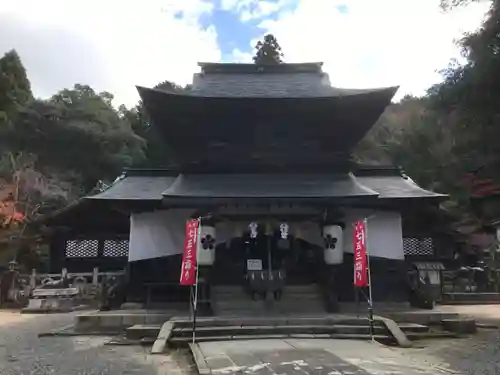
(413, 246)
(115, 248)
(82, 248)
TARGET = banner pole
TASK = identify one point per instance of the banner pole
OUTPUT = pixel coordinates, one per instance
(195, 299)
(370, 301)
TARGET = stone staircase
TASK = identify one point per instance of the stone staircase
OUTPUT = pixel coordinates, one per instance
(223, 329)
(296, 299)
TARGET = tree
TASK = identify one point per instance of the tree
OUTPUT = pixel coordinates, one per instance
(471, 93)
(268, 51)
(77, 131)
(15, 88)
(156, 153)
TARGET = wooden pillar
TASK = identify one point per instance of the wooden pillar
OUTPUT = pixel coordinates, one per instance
(57, 253)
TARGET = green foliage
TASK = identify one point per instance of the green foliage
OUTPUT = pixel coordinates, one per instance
(268, 51)
(471, 93)
(15, 88)
(77, 130)
(454, 130)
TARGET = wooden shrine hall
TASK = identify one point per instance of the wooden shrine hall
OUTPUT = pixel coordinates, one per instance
(262, 155)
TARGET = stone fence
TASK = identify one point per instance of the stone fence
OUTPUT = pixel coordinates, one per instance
(88, 284)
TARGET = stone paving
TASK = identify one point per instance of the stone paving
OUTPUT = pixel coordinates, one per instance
(315, 357)
(23, 353)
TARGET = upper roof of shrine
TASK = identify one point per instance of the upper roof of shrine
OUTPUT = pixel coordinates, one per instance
(305, 80)
(243, 117)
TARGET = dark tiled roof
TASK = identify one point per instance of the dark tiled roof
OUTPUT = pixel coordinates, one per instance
(260, 68)
(155, 187)
(392, 186)
(268, 85)
(136, 188)
(266, 186)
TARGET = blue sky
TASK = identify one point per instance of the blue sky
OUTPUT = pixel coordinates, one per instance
(114, 45)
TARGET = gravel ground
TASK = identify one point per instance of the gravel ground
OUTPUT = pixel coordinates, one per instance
(478, 354)
(23, 353)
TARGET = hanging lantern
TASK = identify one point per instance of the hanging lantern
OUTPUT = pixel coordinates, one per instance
(206, 245)
(284, 231)
(253, 229)
(334, 249)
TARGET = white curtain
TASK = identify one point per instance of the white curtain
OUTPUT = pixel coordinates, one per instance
(385, 234)
(157, 234)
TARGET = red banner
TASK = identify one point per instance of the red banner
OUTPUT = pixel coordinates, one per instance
(360, 261)
(188, 266)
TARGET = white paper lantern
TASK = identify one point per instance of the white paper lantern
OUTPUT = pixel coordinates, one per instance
(284, 231)
(206, 246)
(334, 247)
(253, 229)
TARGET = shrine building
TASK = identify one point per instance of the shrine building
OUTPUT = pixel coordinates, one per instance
(262, 154)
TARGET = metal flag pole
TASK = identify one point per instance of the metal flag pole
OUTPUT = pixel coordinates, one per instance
(195, 297)
(370, 301)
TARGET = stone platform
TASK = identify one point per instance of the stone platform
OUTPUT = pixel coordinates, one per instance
(119, 320)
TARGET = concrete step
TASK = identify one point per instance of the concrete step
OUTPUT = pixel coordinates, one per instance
(234, 300)
(409, 328)
(274, 321)
(140, 331)
(187, 340)
(296, 329)
(209, 329)
(471, 297)
(288, 288)
(276, 330)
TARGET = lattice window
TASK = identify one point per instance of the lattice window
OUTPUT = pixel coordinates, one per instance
(418, 246)
(82, 248)
(115, 248)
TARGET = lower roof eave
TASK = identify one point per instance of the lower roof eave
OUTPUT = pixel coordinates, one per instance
(437, 198)
(172, 201)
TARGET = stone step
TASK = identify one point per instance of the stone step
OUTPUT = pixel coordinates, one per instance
(275, 330)
(413, 328)
(234, 300)
(274, 321)
(140, 331)
(471, 297)
(268, 302)
(187, 340)
(288, 288)
(413, 331)
(296, 329)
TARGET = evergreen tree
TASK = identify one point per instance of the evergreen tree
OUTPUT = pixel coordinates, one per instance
(15, 88)
(268, 51)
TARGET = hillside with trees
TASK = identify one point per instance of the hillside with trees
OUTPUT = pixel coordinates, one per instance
(454, 130)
